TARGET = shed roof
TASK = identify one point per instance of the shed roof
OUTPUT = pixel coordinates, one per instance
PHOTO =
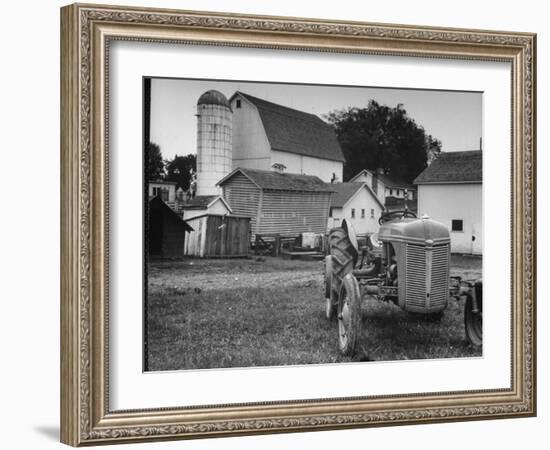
(157, 203)
(345, 191)
(454, 167)
(203, 202)
(294, 131)
(267, 179)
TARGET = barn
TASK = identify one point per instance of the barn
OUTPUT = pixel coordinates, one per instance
(166, 237)
(357, 203)
(450, 190)
(278, 203)
(267, 134)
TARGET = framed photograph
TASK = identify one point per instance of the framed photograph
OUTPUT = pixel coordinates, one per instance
(273, 224)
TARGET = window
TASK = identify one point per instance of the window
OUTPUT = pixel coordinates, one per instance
(372, 213)
(391, 192)
(353, 213)
(362, 214)
(457, 225)
(238, 103)
(330, 212)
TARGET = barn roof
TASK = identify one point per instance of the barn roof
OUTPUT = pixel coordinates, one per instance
(453, 167)
(268, 179)
(157, 203)
(293, 131)
(345, 191)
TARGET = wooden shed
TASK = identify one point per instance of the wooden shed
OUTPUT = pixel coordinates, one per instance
(166, 232)
(278, 203)
(218, 236)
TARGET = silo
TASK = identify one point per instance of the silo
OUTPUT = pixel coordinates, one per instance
(214, 141)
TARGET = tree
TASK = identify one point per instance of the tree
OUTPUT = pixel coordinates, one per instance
(180, 169)
(154, 163)
(380, 136)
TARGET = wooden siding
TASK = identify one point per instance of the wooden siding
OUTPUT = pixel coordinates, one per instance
(243, 197)
(218, 236)
(291, 213)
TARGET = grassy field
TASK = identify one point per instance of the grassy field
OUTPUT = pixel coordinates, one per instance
(249, 312)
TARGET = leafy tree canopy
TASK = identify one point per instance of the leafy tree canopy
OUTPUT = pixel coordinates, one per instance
(154, 163)
(380, 136)
(180, 169)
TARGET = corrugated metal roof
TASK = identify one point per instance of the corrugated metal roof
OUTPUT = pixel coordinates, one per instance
(454, 167)
(266, 179)
(345, 191)
(293, 131)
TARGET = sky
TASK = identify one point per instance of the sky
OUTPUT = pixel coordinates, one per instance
(453, 117)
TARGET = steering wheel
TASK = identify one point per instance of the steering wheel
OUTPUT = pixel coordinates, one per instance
(397, 214)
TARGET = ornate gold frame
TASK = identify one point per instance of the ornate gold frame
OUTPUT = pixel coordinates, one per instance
(86, 31)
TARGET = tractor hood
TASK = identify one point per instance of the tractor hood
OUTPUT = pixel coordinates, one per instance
(424, 231)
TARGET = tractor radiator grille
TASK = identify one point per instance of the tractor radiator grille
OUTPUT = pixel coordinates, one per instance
(440, 276)
(418, 260)
(416, 276)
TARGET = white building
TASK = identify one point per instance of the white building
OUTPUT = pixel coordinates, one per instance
(450, 191)
(385, 185)
(166, 190)
(266, 134)
(357, 203)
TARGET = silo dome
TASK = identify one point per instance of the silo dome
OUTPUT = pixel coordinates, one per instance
(213, 97)
(214, 141)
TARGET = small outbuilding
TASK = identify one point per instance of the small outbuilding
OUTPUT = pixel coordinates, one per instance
(218, 236)
(357, 203)
(283, 204)
(166, 234)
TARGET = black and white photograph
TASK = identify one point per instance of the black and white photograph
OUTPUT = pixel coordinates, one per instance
(295, 224)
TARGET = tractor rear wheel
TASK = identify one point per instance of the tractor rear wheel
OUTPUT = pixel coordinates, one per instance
(344, 255)
(331, 297)
(473, 320)
(349, 315)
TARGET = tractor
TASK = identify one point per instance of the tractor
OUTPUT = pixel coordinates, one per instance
(407, 263)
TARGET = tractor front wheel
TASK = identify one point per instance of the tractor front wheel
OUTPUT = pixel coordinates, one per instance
(331, 298)
(349, 315)
(473, 320)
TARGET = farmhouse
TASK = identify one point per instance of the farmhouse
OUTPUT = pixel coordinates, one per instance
(166, 230)
(278, 203)
(266, 134)
(357, 203)
(450, 191)
(385, 185)
(166, 190)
